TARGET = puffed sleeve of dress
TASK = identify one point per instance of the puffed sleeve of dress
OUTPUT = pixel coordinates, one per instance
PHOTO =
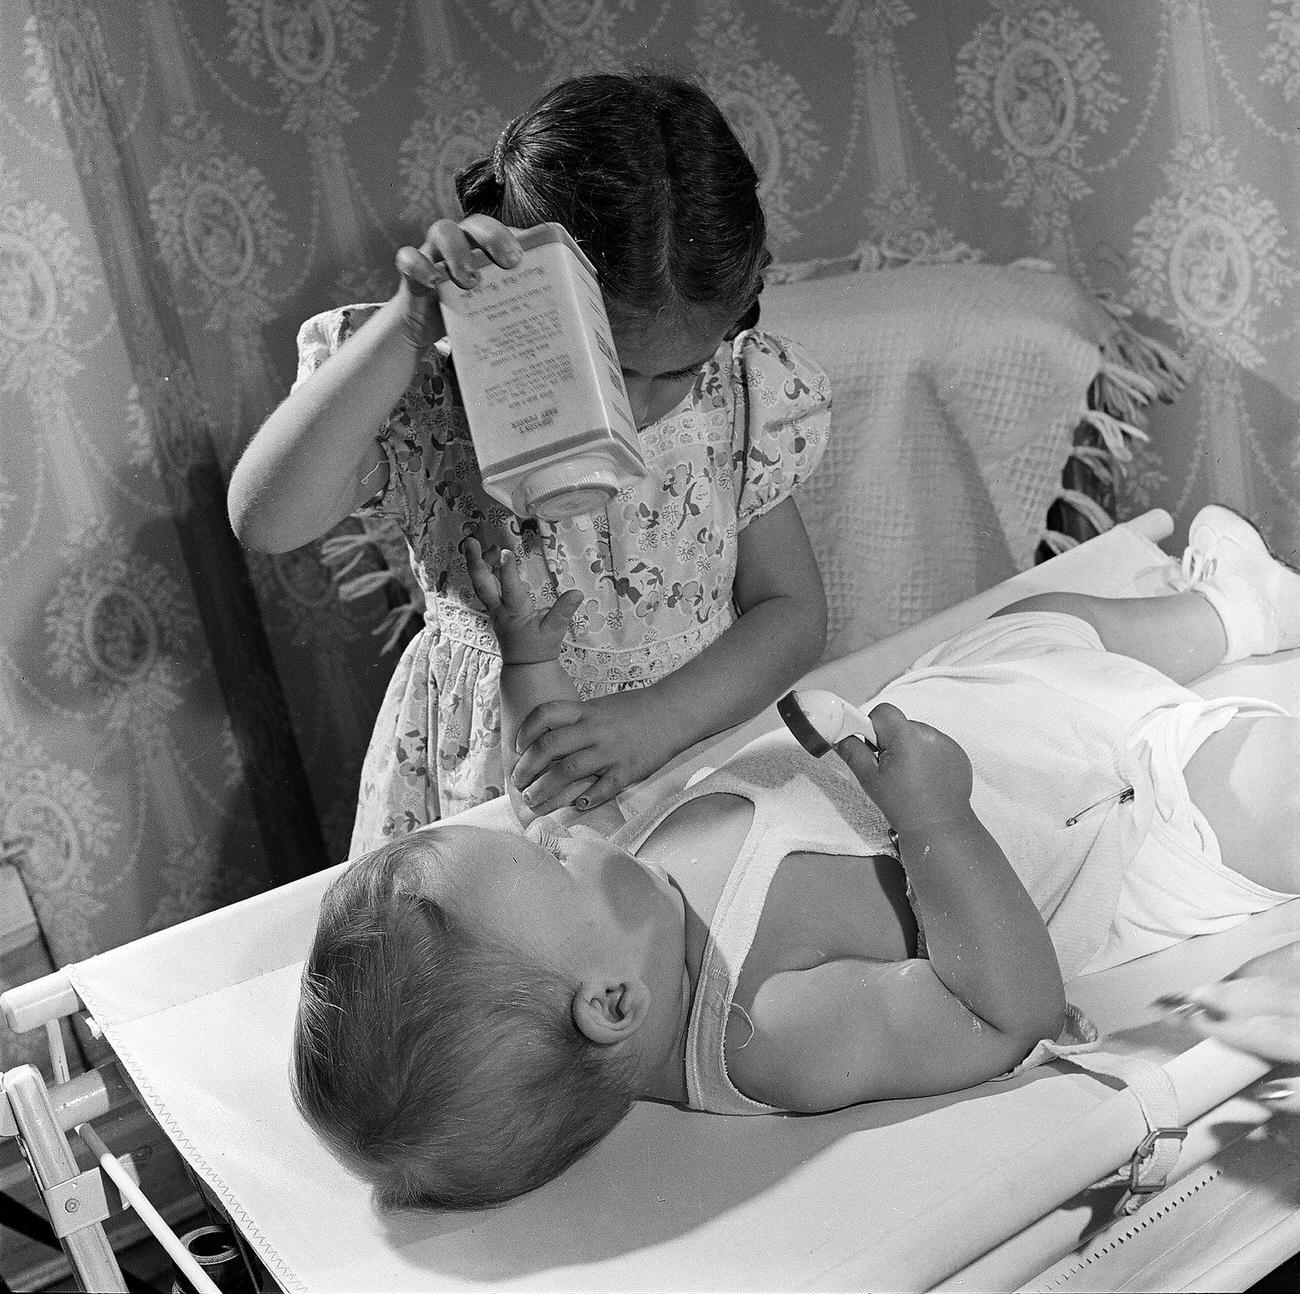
(782, 419)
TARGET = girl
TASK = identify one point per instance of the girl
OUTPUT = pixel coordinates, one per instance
(701, 599)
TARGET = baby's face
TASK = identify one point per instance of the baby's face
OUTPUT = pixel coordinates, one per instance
(571, 901)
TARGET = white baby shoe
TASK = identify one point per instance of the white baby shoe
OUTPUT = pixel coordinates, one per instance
(1256, 596)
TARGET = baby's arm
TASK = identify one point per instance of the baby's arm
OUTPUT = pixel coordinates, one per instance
(984, 935)
(315, 460)
(854, 1030)
(531, 673)
(620, 739)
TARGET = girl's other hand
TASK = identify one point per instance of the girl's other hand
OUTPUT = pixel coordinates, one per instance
(584, 752)
(448, 253)
(525, 634)
(921, 778)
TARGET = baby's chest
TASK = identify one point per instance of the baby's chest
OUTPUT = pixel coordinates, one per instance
(824, 907)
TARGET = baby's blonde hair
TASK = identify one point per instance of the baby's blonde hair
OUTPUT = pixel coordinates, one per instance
(437, 1064)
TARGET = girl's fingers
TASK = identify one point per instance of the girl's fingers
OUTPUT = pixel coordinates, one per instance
(445, 241)
(498, 242)
(449, 251)
(457, 244)
(566, 796)
(419, 271)
(601, 793)
(539, 770)
(556, 779)
(547, 717)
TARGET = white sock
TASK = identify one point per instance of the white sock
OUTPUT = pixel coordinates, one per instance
(1248, 630)
(1256, 596)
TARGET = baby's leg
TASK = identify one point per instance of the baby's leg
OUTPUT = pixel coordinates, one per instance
(1252, 597)
(1181, 634)
(1243, 779)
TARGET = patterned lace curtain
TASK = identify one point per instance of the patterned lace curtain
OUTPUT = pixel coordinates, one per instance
(182, 182)
(149, 768)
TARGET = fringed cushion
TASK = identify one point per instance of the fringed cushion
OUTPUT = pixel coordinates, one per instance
(961, 392)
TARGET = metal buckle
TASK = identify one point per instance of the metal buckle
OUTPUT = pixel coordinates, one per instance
(1145, 1149)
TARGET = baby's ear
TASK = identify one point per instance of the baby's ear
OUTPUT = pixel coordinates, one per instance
(608, 1013)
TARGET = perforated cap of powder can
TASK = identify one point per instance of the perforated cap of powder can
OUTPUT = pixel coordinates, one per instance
(572, 488)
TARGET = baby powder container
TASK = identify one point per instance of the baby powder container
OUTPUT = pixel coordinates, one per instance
(540, 380)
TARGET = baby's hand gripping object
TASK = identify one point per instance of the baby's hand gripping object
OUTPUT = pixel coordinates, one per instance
(819, 720)
(918, 776)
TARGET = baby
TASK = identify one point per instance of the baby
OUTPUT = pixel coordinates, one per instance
(479, 1008)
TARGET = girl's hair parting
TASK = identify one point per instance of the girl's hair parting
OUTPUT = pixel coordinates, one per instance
(437, 1065)
(644, 171)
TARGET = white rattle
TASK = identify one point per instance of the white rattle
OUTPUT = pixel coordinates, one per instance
(821, 719)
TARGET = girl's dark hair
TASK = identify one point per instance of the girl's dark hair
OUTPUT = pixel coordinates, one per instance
(645, 173)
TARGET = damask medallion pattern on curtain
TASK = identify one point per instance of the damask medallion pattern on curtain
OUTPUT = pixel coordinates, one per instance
(183, 182)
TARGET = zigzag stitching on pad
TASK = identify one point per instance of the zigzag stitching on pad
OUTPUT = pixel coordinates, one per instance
(169, 1125)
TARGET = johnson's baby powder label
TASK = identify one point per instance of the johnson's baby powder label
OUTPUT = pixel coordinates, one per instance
(540, 380)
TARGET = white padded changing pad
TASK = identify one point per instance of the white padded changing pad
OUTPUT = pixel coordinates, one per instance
(893, 1195)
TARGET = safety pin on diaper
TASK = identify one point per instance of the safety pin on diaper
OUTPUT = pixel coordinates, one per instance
(1124, 797)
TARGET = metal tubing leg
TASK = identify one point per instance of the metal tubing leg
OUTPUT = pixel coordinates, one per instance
(54, 1167)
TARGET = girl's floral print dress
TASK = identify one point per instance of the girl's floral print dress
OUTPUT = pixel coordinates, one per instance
(655, 567)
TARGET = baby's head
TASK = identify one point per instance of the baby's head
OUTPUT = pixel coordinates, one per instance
(461, 1037)
(646, 174)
